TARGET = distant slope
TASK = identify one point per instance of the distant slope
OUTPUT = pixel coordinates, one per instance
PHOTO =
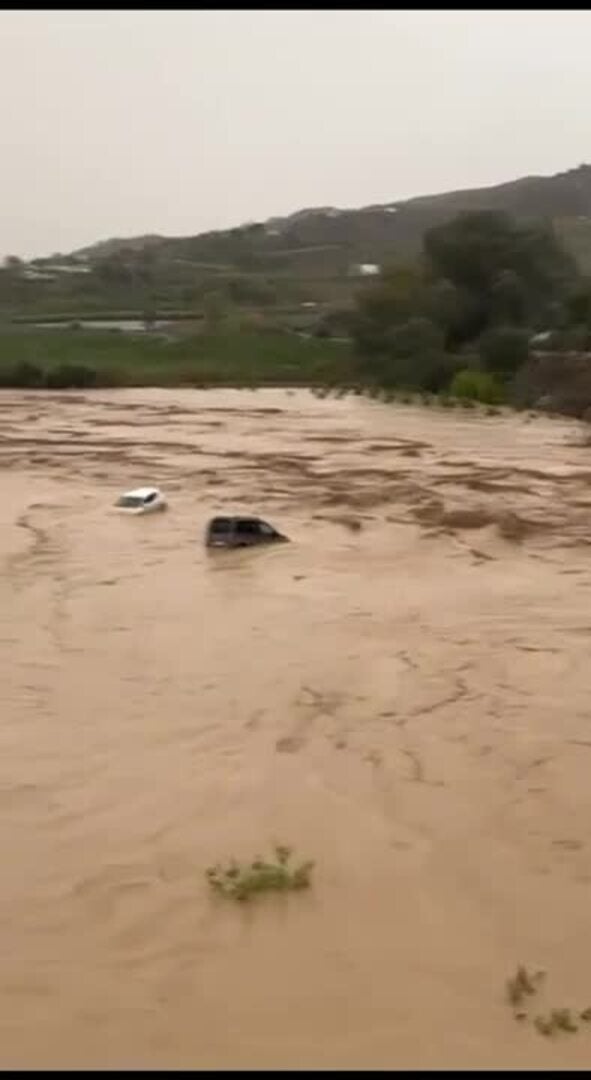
(112, 247)
(325, 242)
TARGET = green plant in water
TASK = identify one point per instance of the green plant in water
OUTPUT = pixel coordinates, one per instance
(522, 984)
(242, 882)
(544, 1025)
(518, 986)
(558, 1020)
(563, 1020)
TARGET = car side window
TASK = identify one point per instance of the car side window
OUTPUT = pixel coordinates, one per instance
(247, 527)
(150, 498)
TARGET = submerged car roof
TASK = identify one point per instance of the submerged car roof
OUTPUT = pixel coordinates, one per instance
(231, 519)
(142, 493)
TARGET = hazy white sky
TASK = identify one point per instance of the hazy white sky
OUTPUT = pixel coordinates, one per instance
(117, 123)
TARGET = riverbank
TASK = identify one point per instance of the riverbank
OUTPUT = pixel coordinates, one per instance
(247, 358)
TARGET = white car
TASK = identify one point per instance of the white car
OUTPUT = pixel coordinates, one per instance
(141, 501)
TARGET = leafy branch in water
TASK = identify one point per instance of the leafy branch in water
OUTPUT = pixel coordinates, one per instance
(523, 985)
(242, 882)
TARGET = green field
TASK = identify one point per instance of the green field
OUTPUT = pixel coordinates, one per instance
(232, 358)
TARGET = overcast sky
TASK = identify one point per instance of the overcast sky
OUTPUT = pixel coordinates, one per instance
(119, 123)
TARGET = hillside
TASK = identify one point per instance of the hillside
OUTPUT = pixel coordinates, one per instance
(329, 241)
(311, 258)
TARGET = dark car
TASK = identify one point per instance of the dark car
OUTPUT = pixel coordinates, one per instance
(234, 532)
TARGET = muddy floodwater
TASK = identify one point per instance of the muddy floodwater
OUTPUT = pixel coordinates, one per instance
(402, 694)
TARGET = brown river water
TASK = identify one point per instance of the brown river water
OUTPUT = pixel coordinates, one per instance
(406, 703)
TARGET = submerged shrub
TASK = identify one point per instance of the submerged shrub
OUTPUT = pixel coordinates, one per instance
(242, 882)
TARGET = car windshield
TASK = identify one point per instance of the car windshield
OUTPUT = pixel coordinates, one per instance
(130, 502)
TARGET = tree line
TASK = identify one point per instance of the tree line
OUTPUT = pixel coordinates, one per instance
(461, 320)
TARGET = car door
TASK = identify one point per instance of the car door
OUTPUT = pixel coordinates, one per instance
(246, 532)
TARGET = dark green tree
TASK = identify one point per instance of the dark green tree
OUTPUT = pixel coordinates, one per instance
(504, 349)
(505, 272)
(397, 296)
(412, 356)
